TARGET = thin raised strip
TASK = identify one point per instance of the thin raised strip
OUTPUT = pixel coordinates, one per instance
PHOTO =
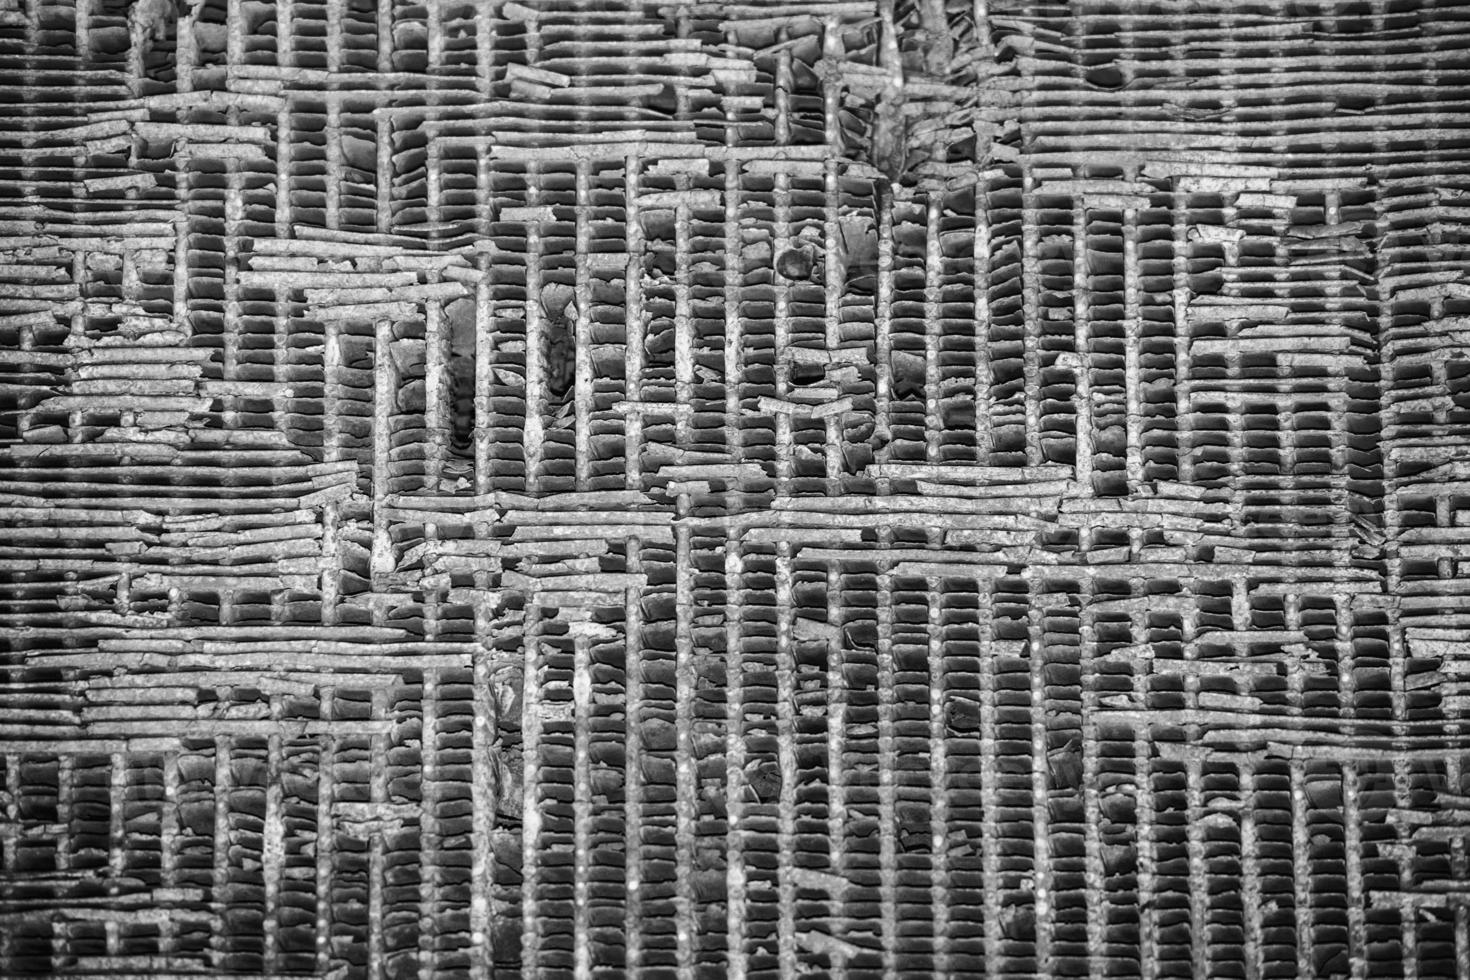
(117, 840)
(219, 892)
(82, 21)
(934, 326)
(1096, 883)
(1445, 516)
(168, 845)
(483, 799)
(436, 421)
(1301, 870)
(383, 176)
(377, 945)
(1179, 267)
(484, 47)
(939, 826)
(273, 856)
(1301, 839)
(734, 335)
(836, 765)
(484, 436)
(1198, 882)
(582, 805)
(781, 238)
(686, 776)
(1253, 953)
(883, 322)
(430, 906)
(333, 11)
(66, 772)
(633, 767)
(1132, 350)
(434, 28)
(786, 764)
(385, 37)
(633, 324)
(990, 822)
(326, 837)
(683, 320)
(888, 922)
(1146, 831)
(9, 843)
(234, 213)
(980, 256)
(1402, 773)
(1082, 341)
(1398, 654)
(736, 913)
(583, 378)
(1042, 884)
(384, 391)
(534, 431)
(1352, 814)
(531, 844)
(332, 178)
(832, 264)
(1031, 310)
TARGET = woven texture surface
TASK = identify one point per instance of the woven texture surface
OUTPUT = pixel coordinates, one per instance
(715, 489)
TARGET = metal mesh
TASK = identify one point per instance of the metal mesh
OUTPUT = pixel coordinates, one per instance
(718, 489)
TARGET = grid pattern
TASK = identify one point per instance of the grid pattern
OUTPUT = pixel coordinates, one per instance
(845, 488)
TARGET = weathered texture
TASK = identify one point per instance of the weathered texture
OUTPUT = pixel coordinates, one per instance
(734, 490)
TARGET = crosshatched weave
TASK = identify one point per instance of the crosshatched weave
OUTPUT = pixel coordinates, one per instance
(852, 488)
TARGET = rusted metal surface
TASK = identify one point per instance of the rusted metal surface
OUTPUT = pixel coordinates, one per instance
(706, 490)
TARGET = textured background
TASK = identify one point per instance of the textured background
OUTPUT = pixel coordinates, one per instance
(734, 489)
